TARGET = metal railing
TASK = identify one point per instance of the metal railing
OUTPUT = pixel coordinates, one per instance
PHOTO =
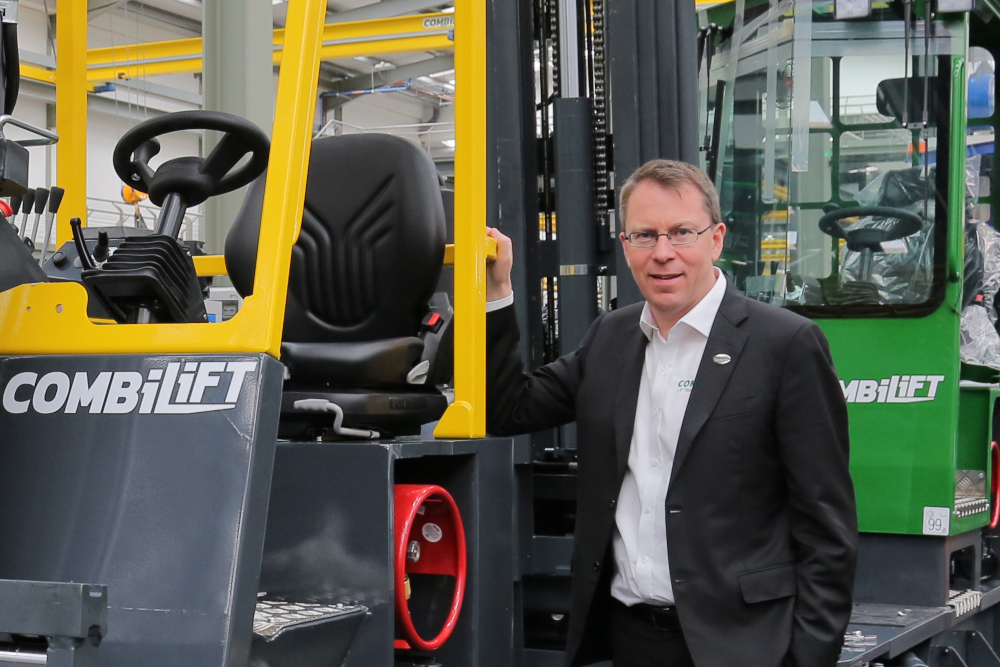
(436, 138)
(111, 213)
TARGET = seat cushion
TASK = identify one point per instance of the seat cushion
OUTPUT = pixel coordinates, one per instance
(370, 247)
(371, 364)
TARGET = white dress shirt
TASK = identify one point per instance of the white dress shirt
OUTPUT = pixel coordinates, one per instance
(640, 540)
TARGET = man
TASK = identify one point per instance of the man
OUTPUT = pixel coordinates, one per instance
(716, 523)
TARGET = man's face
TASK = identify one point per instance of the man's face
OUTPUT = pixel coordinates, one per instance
(671, 278)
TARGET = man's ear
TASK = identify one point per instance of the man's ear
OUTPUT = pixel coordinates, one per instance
(621, 237)
(718, 241)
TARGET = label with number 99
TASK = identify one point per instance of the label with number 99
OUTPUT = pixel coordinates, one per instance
(937, 521)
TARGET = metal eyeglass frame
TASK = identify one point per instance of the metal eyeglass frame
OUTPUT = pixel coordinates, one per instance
(668, 235)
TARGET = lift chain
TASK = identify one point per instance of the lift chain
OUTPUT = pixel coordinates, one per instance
(600, 120)
(555, 46)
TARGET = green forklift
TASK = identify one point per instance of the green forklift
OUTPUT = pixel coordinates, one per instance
(852, 144)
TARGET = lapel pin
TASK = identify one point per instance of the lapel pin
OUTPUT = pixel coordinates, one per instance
(722, 359)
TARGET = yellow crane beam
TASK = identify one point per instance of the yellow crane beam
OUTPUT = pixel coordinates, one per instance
(381, 37)
(405, 34)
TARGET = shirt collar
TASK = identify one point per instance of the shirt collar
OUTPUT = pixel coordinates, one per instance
(700, 318)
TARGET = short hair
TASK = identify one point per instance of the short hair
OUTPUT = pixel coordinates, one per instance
(673, 174)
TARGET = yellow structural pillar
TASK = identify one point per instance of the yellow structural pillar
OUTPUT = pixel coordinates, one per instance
(71, 114)
(466, 417)
(288, 167)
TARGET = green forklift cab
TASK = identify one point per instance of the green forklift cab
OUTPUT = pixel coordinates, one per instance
(852, 179)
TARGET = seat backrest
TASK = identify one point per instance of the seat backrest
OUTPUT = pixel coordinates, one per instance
(371, 247)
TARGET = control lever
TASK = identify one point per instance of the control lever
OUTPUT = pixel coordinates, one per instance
(86, 260)
(101, 249)
(55, 199)
(15, 207)
(27, 203)
(323, 405)
(41, 198)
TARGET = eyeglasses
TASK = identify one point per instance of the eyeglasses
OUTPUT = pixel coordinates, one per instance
(679, 236)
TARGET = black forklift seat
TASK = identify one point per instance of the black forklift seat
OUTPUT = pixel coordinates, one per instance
(359, 328)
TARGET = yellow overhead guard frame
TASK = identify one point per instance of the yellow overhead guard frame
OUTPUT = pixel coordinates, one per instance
(51, 318)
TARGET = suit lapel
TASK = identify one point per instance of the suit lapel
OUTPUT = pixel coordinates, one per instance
(711, 379)
(633, 357)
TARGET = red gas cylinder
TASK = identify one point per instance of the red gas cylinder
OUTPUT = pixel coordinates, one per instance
(430, 540)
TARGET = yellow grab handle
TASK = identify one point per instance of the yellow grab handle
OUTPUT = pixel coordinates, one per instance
(491, 252)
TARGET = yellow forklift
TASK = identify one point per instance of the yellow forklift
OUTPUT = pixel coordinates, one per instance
(173, 494)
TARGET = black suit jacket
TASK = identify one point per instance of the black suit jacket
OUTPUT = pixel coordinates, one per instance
(761, 521)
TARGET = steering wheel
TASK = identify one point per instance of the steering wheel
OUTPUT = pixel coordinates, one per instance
(870, 238)
(195, 179)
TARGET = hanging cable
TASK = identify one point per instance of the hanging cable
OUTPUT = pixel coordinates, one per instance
(128, 57)
(141, 22)
(114, 68)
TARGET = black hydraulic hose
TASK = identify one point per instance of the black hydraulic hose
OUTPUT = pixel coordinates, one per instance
(12, 67)
(712, 28)
(701, 47)
(909, 659)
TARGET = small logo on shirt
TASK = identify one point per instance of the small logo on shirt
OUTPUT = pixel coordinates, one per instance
(685, 386)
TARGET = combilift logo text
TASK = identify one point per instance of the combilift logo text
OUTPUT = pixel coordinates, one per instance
(178, 389)
(895, 389)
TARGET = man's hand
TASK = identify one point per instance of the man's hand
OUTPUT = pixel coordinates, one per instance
(498, 272)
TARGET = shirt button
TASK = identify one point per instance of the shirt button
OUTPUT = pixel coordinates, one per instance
(646, 510)
(654, 462)
(663, 367)
(645, 559)
(656, 412)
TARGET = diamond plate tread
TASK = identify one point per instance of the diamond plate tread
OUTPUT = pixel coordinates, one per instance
(271, 618)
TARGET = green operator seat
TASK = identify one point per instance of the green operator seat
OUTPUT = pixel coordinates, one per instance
(366, 340)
